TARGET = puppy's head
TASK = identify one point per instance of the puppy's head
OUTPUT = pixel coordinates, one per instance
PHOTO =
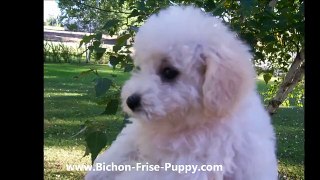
(187, 63)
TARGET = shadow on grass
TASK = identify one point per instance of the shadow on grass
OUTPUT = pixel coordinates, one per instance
(70, 107)
(69, 102)
(289, 126)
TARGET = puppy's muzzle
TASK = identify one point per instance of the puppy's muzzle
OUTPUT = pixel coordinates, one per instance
(134, 102)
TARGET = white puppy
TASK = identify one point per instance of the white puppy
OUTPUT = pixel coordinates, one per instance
(193, 101)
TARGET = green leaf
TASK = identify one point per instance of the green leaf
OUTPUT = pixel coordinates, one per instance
(91, 48)
(209, 6)
(249, 37)
(128, 67)
(270, 49)
(86, 39)
(112, 107)
(134, 13)
(141, 6)
(259, 55)
(99, 52)
(267, 77)
(100, 49)
(102, 86)
(98, 36)
(269, 38)
(199, 3)
(246, 6)
(102, 100)
(111, 23)
(96, 44)
(114, 61)
(87, 152)
(270, 71)
(122, 39)
(287, 56)
(81, 42)
(219, 10)
(140, 19)
(96, 141)
(259, 70)
(98, 55)
(116, 48)
(120, 2)
(111, 32)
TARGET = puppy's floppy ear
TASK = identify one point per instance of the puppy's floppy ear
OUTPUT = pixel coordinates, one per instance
(227, 78)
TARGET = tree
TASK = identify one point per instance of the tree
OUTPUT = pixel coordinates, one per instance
(52, 21)
(274, 29)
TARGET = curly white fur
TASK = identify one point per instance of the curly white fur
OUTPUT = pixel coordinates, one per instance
(210, 114)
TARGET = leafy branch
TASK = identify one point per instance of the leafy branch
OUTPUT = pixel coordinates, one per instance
(104, 10)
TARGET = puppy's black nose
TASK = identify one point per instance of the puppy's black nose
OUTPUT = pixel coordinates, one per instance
(133, 101)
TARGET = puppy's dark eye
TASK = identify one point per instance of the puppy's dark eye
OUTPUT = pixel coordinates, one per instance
(168, 73)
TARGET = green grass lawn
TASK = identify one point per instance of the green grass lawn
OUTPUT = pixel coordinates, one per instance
(68, 103)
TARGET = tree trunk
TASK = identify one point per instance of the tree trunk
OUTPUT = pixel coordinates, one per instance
(88, 55)
(292, 78)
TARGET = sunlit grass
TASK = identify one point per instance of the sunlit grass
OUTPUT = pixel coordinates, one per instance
(56, 159)
(63, 94)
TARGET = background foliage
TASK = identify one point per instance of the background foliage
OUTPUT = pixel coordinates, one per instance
(273, 29)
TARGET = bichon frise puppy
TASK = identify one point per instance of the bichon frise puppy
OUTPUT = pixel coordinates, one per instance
(193, 104)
